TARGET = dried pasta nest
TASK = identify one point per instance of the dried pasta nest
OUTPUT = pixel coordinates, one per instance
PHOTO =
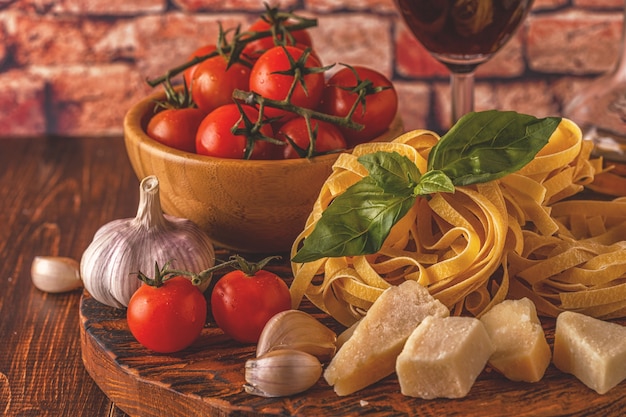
(523, 235)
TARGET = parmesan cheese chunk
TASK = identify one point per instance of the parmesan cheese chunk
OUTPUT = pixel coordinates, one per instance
(592, 350)
(443, 357)
(369, 355)
(522, 352)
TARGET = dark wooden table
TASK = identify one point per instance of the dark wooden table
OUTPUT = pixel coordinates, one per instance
(54, 194)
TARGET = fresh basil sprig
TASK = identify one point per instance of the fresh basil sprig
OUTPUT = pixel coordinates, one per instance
(480, 147)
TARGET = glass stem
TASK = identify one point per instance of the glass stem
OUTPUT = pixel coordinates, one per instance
(462, 85)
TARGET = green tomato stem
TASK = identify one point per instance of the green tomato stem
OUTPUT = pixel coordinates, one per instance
(250, 98)
(241, 39)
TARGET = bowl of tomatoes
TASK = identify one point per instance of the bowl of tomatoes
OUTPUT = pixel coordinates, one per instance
(246, 158)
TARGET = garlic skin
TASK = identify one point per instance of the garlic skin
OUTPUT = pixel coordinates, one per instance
(124, 247)
(55, 274)
(281, 373)
(297, 330)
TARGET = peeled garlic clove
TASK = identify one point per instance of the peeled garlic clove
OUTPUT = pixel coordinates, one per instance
(281, 373)
(297, 330)
(55, 274)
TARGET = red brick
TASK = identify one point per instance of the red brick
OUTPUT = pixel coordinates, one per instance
(67, 49)
(107, 7)
(549, 4)
(508, 62)
(359, 39)
(530, 97)
(4, 45)
(573, 42)
(164, 41)
(222, 5)
(22, 104)
(567, 88)
(354, 5)
(599, 4)
(44, 40)
(91, 100)
(414, 104)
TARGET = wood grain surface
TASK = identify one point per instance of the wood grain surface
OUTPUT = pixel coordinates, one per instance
(207, 378)
(54, 194)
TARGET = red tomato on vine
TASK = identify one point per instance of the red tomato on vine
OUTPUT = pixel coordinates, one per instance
(176, 128)
(202, 51)
(213, 83)
(375, 112)
(177, 121)
(273, 74)
(328, 138)
(215, 136)
(167, 316)
(244, 300)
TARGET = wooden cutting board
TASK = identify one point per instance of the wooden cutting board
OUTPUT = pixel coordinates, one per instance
(206, 379)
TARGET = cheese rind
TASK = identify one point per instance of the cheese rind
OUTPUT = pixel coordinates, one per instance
(369, 355)
(592, 350)
(443, 357)
(522, 351)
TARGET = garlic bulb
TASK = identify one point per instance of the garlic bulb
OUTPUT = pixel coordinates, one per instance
(124, 247)
(55, 274)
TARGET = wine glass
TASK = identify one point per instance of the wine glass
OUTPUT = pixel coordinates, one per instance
(462, 34)
(600, 110)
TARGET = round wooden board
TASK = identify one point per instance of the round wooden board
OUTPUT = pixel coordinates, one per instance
(207, 378)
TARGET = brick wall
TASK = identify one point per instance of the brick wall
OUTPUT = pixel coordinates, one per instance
(73, 67)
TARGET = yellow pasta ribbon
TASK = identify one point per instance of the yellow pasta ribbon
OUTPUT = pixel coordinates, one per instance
(510, 238)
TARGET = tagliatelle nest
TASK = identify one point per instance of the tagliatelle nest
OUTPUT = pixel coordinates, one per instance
(510, 238)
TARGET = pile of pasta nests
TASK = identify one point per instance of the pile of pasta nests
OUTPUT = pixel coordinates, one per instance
(524, 235)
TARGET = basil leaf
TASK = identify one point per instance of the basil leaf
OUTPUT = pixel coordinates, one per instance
(480, 147)
(434, 182)
(391, 171)
(357, 222)
(488, 145)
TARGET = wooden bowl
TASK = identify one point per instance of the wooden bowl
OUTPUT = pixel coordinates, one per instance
(244, 205)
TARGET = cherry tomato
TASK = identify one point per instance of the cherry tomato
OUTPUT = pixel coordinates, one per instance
(167, 318)
(328, 137)
(212, 84)
(215, 138)
(380, 108)
(266, 81)
(254, 49)
(203, 50)
(242, 304)
(176, 127)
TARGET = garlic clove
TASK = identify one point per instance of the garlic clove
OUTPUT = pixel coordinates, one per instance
(55, 274)
(297, 330)
(281, 373)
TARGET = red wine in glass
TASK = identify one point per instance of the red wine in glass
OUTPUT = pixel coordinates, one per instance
(463, 34)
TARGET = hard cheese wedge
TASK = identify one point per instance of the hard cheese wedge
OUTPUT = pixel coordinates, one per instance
(443, 357)
(370, 353)
(522, 352)
(591, 349)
